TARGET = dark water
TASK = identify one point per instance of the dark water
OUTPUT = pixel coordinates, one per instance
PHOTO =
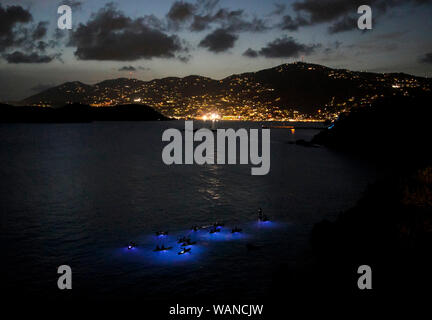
(76, 194)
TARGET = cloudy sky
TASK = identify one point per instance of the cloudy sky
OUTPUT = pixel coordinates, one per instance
(152, 39)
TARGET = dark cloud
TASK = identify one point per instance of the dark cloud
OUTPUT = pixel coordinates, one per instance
(110, 35)
(250, 53)
(228, 18)
(206, 6)
(426, 58)
(236, 21)
(200, 23)
(40, 31)
(288, 23)
(42, 46)
(347, 23)
(181, 11)
(20, 57)
(21, 41)
(154, 22)
(341, 13)
(184, 58)
(74, 4)
(241, 25)
(327, 10)
(127, 68)
(11, 19)
(204, 14)
(219, 40)
(286, 47)
(384, 5)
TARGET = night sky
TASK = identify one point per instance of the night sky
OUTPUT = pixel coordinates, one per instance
(153, 39)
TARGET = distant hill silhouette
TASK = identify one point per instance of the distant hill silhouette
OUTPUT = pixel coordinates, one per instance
(305, 87)
(78, 113)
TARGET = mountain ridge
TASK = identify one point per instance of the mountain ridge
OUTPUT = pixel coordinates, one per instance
(300, 87)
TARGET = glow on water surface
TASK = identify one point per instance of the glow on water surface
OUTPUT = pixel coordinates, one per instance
(144, 252)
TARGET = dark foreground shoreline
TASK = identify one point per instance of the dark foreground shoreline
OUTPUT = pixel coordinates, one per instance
(78, 113)
(390, 227)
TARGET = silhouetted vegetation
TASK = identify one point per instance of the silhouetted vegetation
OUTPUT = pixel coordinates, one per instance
(395, 129)
(390, 228)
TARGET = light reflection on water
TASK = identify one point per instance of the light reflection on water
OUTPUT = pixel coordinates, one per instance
(212, 184)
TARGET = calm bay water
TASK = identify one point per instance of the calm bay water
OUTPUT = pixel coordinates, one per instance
(76, 194)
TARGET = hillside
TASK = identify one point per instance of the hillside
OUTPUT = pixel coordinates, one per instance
(284, 91)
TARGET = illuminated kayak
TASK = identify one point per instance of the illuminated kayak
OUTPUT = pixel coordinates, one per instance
(161, 233)
(218, 224)
(131, 245)
(163, 248)
(213, 230)
(185, 250)
(235, 230)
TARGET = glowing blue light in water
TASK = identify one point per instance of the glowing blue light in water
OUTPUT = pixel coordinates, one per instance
(203, 238)
(223, 235)
(267, 224)
(146, 256)
(173, 257)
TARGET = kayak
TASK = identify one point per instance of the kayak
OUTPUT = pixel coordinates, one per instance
(162, 249)
(184, 251)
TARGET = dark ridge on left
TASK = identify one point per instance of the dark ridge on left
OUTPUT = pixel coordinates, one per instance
(78, 113)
